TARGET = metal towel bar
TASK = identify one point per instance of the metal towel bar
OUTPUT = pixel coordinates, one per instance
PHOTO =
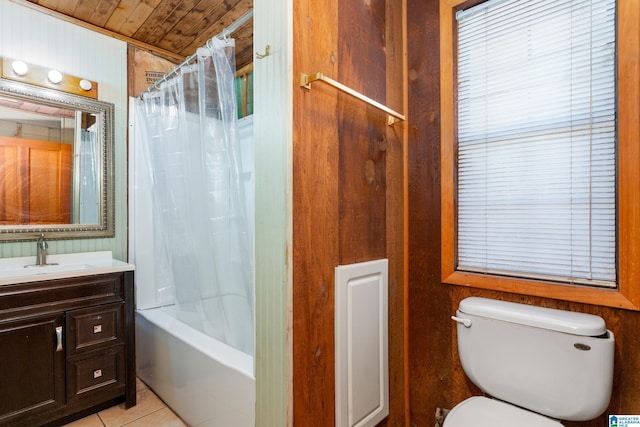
(392, 116)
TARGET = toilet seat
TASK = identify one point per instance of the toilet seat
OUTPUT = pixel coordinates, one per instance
(481, 411)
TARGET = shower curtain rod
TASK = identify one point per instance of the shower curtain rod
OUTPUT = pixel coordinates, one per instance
(223, 34)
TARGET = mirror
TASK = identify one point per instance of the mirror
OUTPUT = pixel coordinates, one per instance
(56, 166)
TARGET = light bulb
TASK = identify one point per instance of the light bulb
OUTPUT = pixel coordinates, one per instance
(19, 67)
(85, 85)
(54, 76)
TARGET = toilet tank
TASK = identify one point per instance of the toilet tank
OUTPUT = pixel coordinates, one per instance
(554, 362)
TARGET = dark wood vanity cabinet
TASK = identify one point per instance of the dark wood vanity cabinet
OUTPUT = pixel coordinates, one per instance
(67, 348)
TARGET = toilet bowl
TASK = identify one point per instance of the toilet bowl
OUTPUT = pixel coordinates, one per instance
(481, 411)
(537, 366)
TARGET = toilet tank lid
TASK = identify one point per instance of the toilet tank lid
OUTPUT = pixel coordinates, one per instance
(540, 317)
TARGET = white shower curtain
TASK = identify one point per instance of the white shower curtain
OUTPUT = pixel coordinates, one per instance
(203, 253)
(88, 206)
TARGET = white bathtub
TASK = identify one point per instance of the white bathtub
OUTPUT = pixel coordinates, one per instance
(206, 382)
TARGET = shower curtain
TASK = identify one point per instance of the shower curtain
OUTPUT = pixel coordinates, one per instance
(202, 254)
(88, 206)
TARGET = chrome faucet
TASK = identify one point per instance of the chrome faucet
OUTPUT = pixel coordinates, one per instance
(42, 247)
(41, 253)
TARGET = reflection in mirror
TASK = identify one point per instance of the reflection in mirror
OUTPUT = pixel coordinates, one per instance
(55, 164)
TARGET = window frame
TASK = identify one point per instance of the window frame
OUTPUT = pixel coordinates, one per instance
(627, 294)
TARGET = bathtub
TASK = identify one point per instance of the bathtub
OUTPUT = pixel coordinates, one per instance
(205, 382)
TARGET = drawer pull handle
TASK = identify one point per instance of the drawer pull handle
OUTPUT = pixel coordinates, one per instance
(59, 338)
(97, 329)
(97, 373)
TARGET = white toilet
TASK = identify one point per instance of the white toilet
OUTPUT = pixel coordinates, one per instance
(538, 365)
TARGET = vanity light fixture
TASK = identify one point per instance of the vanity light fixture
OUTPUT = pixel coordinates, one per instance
(85, 84)
(21, 71)
(20, 68)
(54, 76)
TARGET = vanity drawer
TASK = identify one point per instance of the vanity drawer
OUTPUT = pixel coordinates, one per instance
(95, 327)
(99, 372)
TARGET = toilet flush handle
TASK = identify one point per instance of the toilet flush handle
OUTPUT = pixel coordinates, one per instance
(465, 322)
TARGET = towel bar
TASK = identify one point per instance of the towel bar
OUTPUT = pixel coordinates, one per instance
(392, 116)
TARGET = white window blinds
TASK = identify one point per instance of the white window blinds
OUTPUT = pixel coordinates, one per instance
(537, 140)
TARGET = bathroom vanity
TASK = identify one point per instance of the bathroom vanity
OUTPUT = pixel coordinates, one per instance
(67, 338)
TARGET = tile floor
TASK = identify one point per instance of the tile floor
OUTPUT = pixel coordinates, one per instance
(149, 411)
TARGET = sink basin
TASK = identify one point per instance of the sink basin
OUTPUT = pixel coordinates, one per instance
(29, 270)
(23, 269)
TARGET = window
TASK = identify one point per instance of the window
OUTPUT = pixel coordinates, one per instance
(535, 183)
(536, 140)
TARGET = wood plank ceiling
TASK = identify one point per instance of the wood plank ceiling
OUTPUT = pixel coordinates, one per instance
(176, 28)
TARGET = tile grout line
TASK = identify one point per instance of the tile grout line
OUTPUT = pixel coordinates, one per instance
(143, 416)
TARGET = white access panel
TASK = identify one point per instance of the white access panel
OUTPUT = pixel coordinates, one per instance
(361, 338)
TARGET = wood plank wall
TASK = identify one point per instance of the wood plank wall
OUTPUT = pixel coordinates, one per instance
(347, 186)
(436, 377)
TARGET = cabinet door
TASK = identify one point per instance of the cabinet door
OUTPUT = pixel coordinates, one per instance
(38, 190)
(32, 379)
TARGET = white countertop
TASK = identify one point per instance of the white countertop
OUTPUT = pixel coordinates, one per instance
(23, 269)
